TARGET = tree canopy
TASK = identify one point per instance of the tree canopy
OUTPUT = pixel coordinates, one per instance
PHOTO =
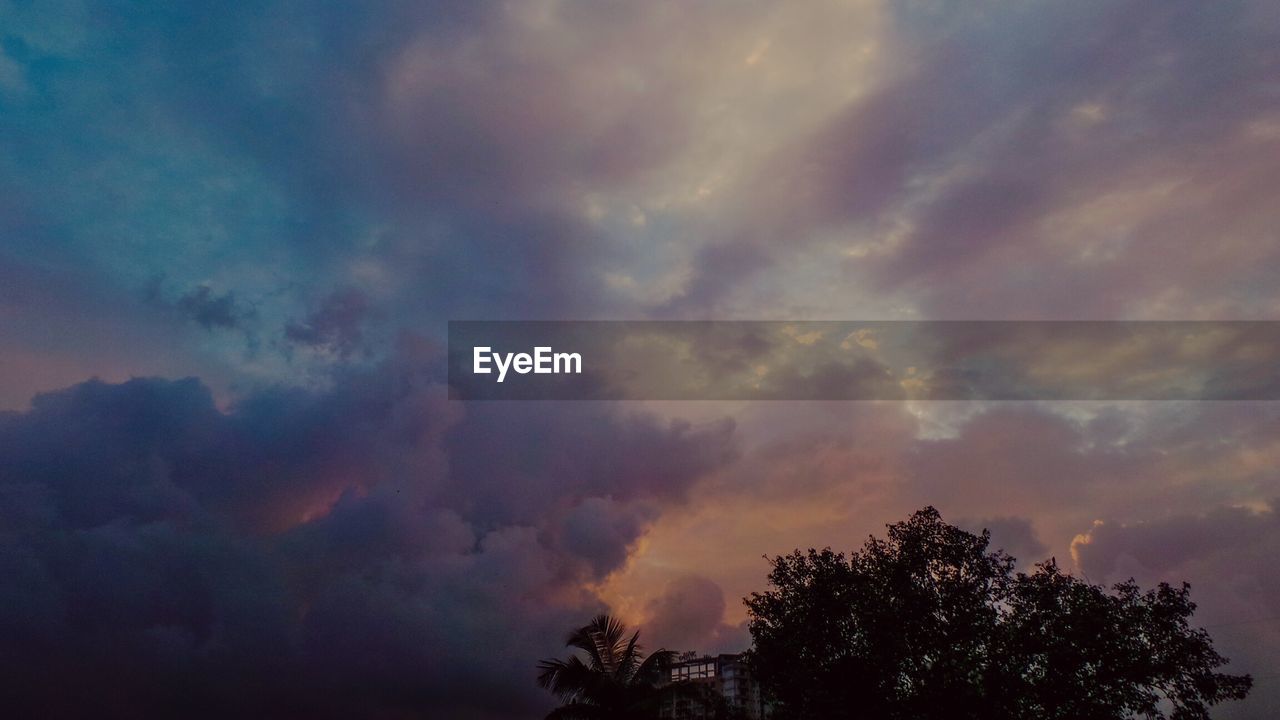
(929, 623)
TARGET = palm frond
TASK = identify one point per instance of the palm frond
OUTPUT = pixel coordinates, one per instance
(654, 668)
(601, 639)
(609, 678)
(567, 679)
(630, 658)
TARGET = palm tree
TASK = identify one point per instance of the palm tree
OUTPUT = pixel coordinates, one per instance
(616, 681)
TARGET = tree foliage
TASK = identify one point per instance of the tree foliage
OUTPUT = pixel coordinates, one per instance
(928, 623)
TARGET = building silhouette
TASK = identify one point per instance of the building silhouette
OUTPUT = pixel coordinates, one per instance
(727, 681)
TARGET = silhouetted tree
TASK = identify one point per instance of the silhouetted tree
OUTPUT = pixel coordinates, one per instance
(927, 623)
(615, 681)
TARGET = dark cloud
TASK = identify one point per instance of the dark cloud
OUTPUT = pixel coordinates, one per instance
(336, 326)
(210, 310)
(1162, 545)
(537, 456)
(689, 615)
(1014, 535)
(1228, 554)
(601, 532)
(331, 554)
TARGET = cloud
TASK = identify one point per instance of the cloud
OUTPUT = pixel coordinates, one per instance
(602, 531)
(336, 325)
(690, 615)
(332, 553)
(212, 311)
(1014, 535)
(1165, 544)
(1054, 191)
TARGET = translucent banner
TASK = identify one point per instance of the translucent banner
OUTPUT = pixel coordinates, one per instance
(856, 360)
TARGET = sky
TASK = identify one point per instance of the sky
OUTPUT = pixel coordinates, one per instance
(232, 234)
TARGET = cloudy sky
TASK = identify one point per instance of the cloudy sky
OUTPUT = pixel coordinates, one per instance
(231, 235)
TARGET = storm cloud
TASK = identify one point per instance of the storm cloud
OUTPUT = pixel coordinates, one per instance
(329, 554)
